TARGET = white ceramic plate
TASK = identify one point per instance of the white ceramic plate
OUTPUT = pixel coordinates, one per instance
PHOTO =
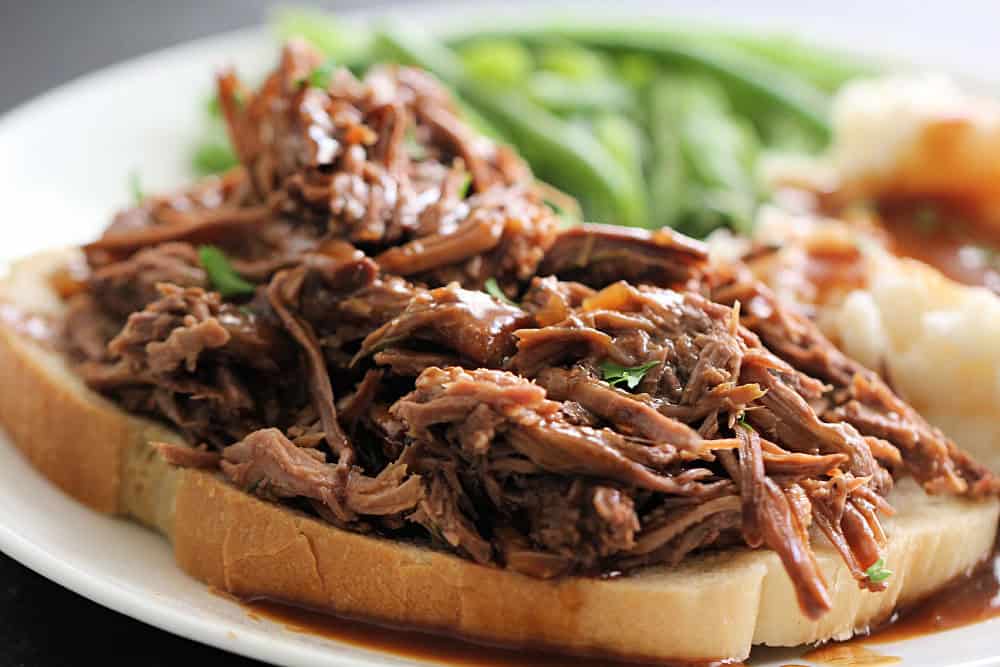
(64, 165)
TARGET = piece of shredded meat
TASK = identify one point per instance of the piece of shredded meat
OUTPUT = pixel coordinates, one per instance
(215, 371)
(612, 401)
(270, 465)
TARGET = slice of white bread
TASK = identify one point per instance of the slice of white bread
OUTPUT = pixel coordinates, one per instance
(711, 607)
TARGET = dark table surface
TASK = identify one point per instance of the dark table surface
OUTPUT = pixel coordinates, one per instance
(44, 43)
(43, 624)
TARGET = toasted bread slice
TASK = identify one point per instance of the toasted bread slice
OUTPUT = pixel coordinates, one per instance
(711, 607)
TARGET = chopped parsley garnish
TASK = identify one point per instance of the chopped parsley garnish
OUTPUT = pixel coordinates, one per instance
(630, 376)
(214, 157)
(463, 189)
(878, 573)
(135, 187)
(221, 274)
(213, 107)
(493, 289)
(556, 208)
(320, 76)
(742, 421)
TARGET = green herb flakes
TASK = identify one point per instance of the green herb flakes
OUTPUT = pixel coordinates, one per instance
(630, 376)
(221, 274)
(878, 573)
(321, 75)
(213, 157)
(493, 289)
(135, 187)
(463, 189)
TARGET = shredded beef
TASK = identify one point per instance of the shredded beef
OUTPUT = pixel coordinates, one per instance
(599, 255)
(622, 404)
(337, 159)
(188, 457)
(858, 398)
(127, 286)
(471, 324)
(87, 328)
(270, 465)
(212, 369)
(205, 212)
(282, 293)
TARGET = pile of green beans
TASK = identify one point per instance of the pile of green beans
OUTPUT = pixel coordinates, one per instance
(647, 126)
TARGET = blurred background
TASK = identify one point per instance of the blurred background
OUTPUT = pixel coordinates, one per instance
(47, 42)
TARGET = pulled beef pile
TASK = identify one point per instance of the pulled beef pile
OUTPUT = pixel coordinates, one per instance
(610, 401)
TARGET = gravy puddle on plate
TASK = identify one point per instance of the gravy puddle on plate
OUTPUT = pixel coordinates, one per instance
(439, 649)
(849, 654)
(969, 600)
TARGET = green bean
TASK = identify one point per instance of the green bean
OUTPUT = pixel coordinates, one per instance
(624, 140)
(560, 152)
(416, 47)
(500, 61)
(757, 78)
(779, 132)
(667, 178)
(770, 84)
(637, 70)
(826, 69)
(562, 95)
(709, 209)
(717, 149)
(566, 155)
(572, 62)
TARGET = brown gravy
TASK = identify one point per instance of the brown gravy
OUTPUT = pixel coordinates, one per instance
(436, 649)
(972, 599)
(833, 270)
(850, 655)
(947, 238)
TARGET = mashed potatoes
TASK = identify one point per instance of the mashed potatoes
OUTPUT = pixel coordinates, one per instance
(922, 135)
(938, 342)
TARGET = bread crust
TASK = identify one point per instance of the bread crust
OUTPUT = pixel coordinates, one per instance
(710, 607)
